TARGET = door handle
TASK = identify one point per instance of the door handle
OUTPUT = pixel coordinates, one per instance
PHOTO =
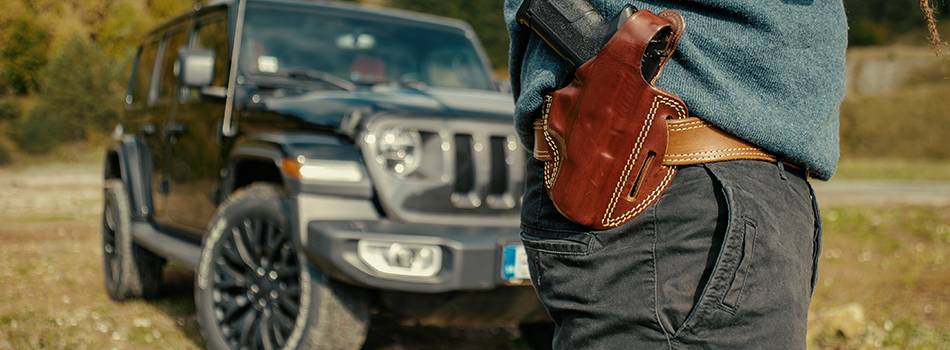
(175, 129)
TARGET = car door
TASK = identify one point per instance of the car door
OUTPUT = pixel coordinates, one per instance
(164, 104)
(140, 116)
(195, 152)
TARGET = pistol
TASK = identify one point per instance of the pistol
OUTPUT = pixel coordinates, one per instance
(577, 32)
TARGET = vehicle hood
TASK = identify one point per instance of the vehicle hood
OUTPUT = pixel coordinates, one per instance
(336, 109)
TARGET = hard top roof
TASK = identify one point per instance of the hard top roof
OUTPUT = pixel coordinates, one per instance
(328, 5)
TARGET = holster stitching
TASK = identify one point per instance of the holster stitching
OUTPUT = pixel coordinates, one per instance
(607, 220)
(727, 150)
(721, 157)
(550, 168)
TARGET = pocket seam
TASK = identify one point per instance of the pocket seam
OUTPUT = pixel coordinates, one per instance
(710, 300)
(742, 270)
(557, 246)
(817, 240)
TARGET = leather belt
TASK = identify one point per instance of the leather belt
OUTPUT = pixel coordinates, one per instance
(694, 141)
(691, 141)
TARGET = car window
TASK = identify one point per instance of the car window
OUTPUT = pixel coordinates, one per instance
(361, 49)
(168, 78)
(144, 68)
(212, 34)
(453, 68)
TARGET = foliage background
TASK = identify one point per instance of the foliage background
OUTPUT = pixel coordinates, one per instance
(64, 63)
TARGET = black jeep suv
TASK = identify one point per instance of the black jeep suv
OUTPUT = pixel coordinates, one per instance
(313, 162)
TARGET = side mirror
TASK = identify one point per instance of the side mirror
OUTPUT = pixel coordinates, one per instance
(195, 67)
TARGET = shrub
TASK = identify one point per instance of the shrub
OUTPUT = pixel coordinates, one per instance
(40, 130)
(911, 123)
(5, 156)
(9, 109)
(76, 87)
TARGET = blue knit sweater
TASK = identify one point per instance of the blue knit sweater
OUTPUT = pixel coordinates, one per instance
(768, 71)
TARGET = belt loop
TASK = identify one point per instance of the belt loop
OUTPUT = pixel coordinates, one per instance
(781, 168)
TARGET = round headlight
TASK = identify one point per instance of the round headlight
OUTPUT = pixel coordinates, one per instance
(398, 150)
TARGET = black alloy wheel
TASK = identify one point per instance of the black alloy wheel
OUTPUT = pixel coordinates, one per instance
(254, 290)
(257, 288)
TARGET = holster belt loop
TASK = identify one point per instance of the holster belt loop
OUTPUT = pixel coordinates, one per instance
(691, 141)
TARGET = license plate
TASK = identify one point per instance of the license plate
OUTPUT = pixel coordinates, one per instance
(514, 265)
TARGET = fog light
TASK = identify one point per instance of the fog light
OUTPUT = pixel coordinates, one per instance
(414, 260)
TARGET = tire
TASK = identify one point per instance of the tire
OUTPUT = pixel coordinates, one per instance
(241, 285)
(538, 336)
(130, 270)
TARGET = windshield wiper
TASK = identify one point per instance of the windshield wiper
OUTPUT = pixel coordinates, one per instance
(410, 84)
(318, 75)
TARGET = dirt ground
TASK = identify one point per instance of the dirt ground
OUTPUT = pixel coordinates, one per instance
(51, 279)
(885, 279)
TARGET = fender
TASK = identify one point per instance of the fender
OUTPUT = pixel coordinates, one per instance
(274, 148)
(254, 150)
(335, 199)
(129, 161)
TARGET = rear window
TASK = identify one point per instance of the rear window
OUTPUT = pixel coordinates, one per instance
(144, 68)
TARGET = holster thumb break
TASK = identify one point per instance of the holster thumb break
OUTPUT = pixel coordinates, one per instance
(603, 137)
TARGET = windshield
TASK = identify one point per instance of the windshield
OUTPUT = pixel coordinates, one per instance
(362, 50)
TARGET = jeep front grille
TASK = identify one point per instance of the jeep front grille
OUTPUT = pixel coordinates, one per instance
(470, 172)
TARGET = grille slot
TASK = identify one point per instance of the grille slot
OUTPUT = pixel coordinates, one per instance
(498, 184)
(464, 164)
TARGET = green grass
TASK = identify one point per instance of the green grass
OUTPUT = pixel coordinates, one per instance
(892, 262)
(893, 169)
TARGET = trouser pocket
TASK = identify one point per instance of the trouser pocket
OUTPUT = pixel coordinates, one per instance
(596, 286)
(758, 276)
(705, 247)
(556, 263)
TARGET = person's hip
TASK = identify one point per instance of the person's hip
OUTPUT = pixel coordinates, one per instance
(726, 257)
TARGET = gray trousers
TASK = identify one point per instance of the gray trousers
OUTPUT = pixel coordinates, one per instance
(726, 259)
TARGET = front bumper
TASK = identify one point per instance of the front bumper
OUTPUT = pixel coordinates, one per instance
(471, 256)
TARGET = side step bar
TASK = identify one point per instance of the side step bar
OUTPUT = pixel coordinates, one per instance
(169, 247)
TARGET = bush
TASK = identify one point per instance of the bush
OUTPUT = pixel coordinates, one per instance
(9, 109)
(76, 87)
(5, 156)
(74, 97)
(39, 131)
(911, 123)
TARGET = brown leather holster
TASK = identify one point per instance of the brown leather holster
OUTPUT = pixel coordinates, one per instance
(605, 138)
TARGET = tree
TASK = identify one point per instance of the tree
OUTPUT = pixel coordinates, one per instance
(163, 9)
(77, 85)
(121, 30)
(879, 22)
(75, 96)
(23, 54)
